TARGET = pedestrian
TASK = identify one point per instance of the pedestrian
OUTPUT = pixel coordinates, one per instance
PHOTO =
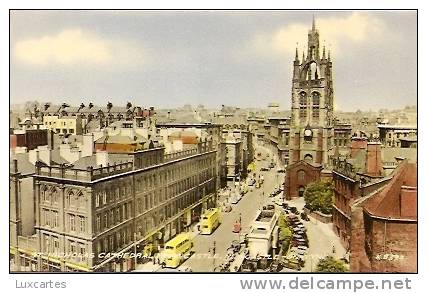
(333, 248)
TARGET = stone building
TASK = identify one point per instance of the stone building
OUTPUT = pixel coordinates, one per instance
(233, 150)
(277, 138)
(342, 134)
(396, 135)
(84, 215)
(311, 129)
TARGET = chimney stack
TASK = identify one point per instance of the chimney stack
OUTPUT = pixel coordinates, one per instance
(374, 166)
(357, 144)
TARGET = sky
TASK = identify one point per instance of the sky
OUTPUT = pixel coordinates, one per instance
(237, 58)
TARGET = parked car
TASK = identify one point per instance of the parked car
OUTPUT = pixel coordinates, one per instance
(281, 171)
(264, 169)
(304, 216)
(292, 263)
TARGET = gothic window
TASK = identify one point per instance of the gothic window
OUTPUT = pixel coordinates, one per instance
(308, 158)
(316, 98)
(301, 175)
(303, 99)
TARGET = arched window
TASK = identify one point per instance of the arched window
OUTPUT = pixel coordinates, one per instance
(70, 198)
(316, 98)
(308, 158)
(316, 105)
(303, 105)
(303, 99)
(301, 175)
(313, 71)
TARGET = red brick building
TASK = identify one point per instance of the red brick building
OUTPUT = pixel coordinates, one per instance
(375, 215)
(390, 223)
(298, 176)
(354, 177)
(29, 138)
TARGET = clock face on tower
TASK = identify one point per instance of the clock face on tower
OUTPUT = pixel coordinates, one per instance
(307, 132)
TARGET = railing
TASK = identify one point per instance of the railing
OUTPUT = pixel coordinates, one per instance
(89, 174)
(180, 154)
(27, 243)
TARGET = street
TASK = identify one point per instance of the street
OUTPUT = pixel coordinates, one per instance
(202, 260)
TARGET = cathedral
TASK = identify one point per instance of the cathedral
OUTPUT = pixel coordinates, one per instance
(312, 103)
(311, 130)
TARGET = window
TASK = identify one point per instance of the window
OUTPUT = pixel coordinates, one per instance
(55, 245)
(71, 130)
(70, 199)
(72, 223)
(47, 243)
(82, 250)
(73, 249)
(301, 175)
(105, 220)
(97, 200)
(82, 224)
(104, 197)
(98, 223)
(55, 219)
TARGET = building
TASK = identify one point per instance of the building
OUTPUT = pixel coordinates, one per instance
(354, 177)
(233, 163)
(390, 225)
(311, 132)
(277, 138)
(84, 215)
(28, 138)
(298, 176)
(63, 124)
(213, 131)
(342, 134)
(395, 135)
(263, 234)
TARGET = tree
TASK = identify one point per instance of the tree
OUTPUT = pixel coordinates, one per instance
(330, 265)
(285, 234)
(318, 197)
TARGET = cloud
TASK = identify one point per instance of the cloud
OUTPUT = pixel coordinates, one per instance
(335, 32)
(76, 47)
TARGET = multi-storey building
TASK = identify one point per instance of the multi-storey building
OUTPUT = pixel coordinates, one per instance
(233, 150)
(85, 216)
(277, 137)
(395, 135)
(342, 134)
(63, 124)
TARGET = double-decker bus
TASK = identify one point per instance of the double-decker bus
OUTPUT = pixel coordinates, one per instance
(210, 221)
(176, 251)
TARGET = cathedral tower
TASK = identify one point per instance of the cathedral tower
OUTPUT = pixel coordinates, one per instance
(312, 103)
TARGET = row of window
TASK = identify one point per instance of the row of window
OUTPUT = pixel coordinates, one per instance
(74, 249)
(73, 199)
(115, 241)
(113, 217)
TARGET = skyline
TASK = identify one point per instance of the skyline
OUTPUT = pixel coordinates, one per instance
(243, 58)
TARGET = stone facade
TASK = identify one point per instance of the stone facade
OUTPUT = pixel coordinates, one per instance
(85, 215)
(312, 104)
